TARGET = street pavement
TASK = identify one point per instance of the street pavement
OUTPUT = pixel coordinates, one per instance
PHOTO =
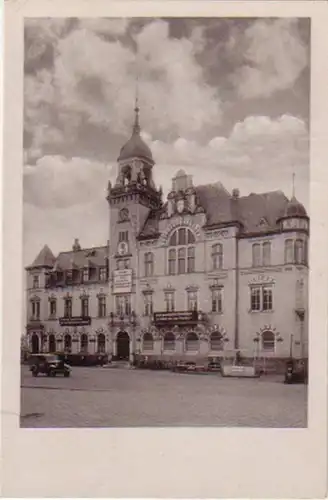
(121, 397)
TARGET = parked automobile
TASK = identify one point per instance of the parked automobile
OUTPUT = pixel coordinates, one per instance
(48, 364)
(296, 372)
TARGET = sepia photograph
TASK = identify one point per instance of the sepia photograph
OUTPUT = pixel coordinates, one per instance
(165, 240)
(166, 225)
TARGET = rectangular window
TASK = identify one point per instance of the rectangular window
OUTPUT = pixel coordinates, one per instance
(192, 301)
(36, 282)
(84, 307)
(149, 264)
(267, 298)
(103, 274)
(169, 301)
(52, 308)
(255, 298)
(261, 298)
(35, 309)
(181, 260)
(190, 260)
(148, 298)
(101, 306)
(172, 261)
(85, 275)
(217, 300)
(67, 307)
(123, 305)
(123, 236)
(266, 251)
(217, 256)
(256, 255)
(289, 251)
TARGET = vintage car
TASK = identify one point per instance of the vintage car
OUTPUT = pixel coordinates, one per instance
(296, 372)
(48, 364)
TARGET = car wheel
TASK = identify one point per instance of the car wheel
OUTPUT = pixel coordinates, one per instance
(66, 374)
(35, 373)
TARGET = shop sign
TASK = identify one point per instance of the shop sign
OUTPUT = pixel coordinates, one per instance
(75, 321)
(176, 317)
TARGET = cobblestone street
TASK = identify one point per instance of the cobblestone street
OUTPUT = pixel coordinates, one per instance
(100, 397)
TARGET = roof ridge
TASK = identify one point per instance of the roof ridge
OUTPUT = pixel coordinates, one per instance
(83, 249)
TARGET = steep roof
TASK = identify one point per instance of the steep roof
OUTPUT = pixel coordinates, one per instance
(295, 208)
(257, 212)
(260, 212)
(86, 257)
(45, 258)
(216, 201)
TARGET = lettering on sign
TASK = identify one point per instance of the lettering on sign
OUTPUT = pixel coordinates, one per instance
(122, 281)
(261, 280)
(175, 317)
(75, 321)
(224, 233)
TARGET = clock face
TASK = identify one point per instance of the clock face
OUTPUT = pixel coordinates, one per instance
(122, 248)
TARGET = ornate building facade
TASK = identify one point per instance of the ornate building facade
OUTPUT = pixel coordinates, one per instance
(202, 274)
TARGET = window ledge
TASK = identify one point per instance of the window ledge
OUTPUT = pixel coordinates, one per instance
(261, 311)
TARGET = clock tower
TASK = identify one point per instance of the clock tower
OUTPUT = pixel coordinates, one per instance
(131, 199)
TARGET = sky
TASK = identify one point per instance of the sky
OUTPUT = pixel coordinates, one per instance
(225, 99)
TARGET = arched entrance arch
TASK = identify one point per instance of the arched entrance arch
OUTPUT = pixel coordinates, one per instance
(35, 344)
(122, 345)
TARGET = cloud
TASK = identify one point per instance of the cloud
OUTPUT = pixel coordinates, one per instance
(58, 182)
(93, 79)
(258, 148)
(58, 227)
(275, 56)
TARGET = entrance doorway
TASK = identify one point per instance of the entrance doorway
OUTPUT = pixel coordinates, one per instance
(122, 346)
(52, 343)
(35, 344)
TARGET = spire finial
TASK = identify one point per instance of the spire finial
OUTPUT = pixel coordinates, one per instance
(293, 185)
(136, 126)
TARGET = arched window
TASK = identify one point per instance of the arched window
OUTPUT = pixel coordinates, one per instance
(256, 254)
(148, 342)
(84, 343)
(181, 260)
(169, 341)
(299, 252)
(289, 251)
(216, 341)
(192, 342)
(101, 343)
(266, 253)
(217, 256)
(268, 341)
(52, 343)
(67, 343)
(149, 264)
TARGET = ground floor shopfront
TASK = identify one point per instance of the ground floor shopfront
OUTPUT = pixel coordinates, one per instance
(165, 337)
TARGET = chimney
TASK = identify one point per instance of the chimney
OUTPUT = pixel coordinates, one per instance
(76, 246)
(235, 193)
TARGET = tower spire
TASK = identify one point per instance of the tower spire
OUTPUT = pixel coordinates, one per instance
(136, 126)
(293, 185)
